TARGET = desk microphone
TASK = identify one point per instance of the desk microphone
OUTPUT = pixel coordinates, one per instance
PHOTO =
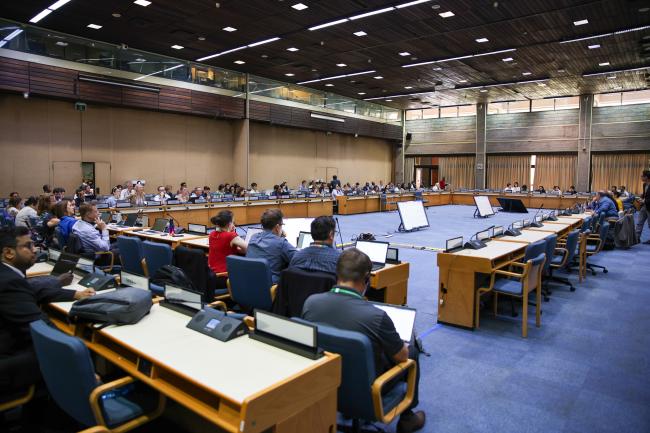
(338, 227)
(536, 223)
(476, 244)
(512, 231)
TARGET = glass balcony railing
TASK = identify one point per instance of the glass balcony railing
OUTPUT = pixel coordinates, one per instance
(35, 40)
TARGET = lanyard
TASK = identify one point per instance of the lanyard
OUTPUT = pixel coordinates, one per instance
(346, 292)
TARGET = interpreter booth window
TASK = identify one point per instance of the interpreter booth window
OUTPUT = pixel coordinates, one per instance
(543, 104)
(519, 106)
(568, 103)
(497, 108)
(467, 110)
(413, 114)
(431, 113)
(448, 111)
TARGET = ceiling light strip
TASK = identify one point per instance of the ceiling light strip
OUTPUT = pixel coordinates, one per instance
(616, 71)
(251, 45)
(158, 72)
(468, 56)
(45, 12)
(371, 13)
(335, 77)
(412, 3)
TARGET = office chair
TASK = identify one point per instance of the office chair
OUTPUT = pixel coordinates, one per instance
(131, 254)
(69, 374)
(249, 283)
(595, 244)
(156, 255)
(104, 260)
(194, 263)
(361, 395)
(551, 242)
(567, 250)
(17, 398)
(295, 286)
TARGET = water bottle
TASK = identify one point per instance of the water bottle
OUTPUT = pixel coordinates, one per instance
(171, 226)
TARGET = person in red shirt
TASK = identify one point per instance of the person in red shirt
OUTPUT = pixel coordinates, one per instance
(443, 184)
(223, 242)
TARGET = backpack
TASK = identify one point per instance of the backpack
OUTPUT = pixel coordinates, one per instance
(168, 274)
(118, 307)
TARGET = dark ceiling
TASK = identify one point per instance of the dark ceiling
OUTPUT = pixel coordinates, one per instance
(534, 28)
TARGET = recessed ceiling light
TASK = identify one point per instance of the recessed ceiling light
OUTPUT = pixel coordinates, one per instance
(603, 64)
(508, 59)
(581, 22)
(229, 29)
(299, 7)
(360, 33)
(239, 62)
(116, 15)
(201, 38)
(642, 10)
(525, 73)
(329, 85)
(561, 71)
(140, 59)
(483, 90)
(389, 100)
(462, 81)
(144, 3)
(341, 65)
(541, 84)
(408, 87)
(264, 56)
(438, 68)
(361, 93)
(594, 46)
(292, 49)
(481, 40)
(289, 74)
(94, 26)
(404, 53)
(611, 77)
(177, 47)
(446, 14)
(378, 77)
(62, 44)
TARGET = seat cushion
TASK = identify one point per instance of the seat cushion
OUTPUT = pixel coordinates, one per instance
(505, 285)
(220, 292)
(120, 410)
(591, 248)
(556, 260)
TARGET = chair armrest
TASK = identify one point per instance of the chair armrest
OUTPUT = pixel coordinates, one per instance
(565, 254)
(103, 253)
(219, 305)
(222, 274)
(378, 404)
(518, 264)
(250, 322)
(274, 289)
(157, 299)
(96, 394)
(509, 274)
(96, 429)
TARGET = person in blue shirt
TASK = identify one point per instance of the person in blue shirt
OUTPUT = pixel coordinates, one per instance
(271, 244)
(322, 254)
(64, 211)
(604, 204)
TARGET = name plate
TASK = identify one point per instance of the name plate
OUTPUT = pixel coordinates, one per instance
(133, 280)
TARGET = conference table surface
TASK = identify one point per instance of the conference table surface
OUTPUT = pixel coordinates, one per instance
(42, 268)
(527, 236)
(554, 228)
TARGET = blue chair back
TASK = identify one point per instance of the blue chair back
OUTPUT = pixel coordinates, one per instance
(131, 254)
(250, 282)
(551, 243)
(535, 269)
(157, 254)
(572, 244)
(67, 369)
(535, 249)
(357, 372)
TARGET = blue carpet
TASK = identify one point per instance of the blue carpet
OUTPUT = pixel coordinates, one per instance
(587, 369)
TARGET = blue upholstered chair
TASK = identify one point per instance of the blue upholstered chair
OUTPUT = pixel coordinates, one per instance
(551, 242)
(519, 285)
(69, 374)
(249, 283)
(131, 254)
(361, 395)
(595, 244)
(563, 257)
(156, 255)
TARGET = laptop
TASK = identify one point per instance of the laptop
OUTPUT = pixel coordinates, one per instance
(198, 229)
(66, 263)
(159, 225)
(454, 244)
(376, 250)
(403, 318)
(251, 232)
(304, 240)
(106, 217)
(130, 220)
(182, 299)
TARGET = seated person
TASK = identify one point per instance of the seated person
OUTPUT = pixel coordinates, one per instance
(112, 199)
(524, 188)
(556, 190)
(19, 306)
(508, 188)
(571, 191)
(604, 204)
(29, 210)
(541, 189)
(345, 308)
(515, 187)
(271, 244)
(59, 192)
(91, 230)
(223, 242)
(322, 254)
(624, 192)
(15, 204)
(619, 201)
(162, 195)
(183, 195)
(253, 189)
(138, 198)
(64, 211)
(168, 191)
(127, 192)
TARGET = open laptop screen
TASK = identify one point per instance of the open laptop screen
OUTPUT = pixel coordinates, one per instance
(375, 250)
(178, 295)
(160, 224)
(197, 228)
(403, 318)
(250, 233)
(304, 240)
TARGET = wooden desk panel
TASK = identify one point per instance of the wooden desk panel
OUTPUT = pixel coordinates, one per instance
(390, 284)
(319, 207)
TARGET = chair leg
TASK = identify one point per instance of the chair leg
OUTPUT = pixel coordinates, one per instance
(538, 307)
(564, 281)
(495, 303)
(524, 317)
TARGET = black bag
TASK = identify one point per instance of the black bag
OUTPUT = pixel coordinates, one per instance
(119, 307)
(168, 274)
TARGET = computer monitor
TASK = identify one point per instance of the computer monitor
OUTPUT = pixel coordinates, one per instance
(251, 232)
(304, 240)
(130, 219)
(106, 217)
(375, 250)
(197, 228)
(160, 224)
(454, 244)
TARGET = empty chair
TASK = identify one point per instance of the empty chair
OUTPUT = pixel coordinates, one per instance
(249, 282)
(131, 254)
(362, 395)
(194, 263)
(595, 245)
(104, 260)
(156, 255)
(69, 374)
(563, 257)
(551, 242)
(295, 286)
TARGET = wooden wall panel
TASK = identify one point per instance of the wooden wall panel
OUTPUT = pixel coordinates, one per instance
(97, 92)
(175, 99)
(259, 111)
(52, 81)
(14, 75)
(139, 98)
(206, 104)
(232, 108)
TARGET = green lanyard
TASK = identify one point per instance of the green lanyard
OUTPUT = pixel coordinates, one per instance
(346, 292)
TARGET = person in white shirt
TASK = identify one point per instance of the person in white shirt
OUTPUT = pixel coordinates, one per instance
(127, 192)
(253, 189)
(508, 188)
(138, 198)
(337, 191)
(116, 193)
(556, 190)
(23, 215)
(624, 192)
(516, 188)
(162, 195)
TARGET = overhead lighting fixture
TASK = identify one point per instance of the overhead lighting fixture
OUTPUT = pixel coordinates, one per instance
(323, 117)
(292, 49)
(616, 72)
(611, 77)
(335, 77)
(635, 29)
(482, 40)
(410, 65)
(594, 46)
(221, 53)
(361, 93)
(289, 74)
(411, 3)
(144, 3)
(265, 41)
(462, 81)
(581, 22)
(643, 10)
(388, 100)
(483, 90)
(586, 38)
(360, 33)
(158, 72)
(491, 53)
(300, 7)
(408, 87)
(404, 53)
(177, 47)
(507, 59)
(447, 14)
(329, 85)
(341, 65)
(229, 29)
(201, 38)
(239, 62)
(378, 77)
(58, 4)
(331, 23)
(369, 14)
(116, 15)
(603, 64)
(40, 15)
(13, 34)
(62, 43)
(526, 73)
(94, 26)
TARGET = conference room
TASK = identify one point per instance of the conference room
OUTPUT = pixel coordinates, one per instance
(320, 216)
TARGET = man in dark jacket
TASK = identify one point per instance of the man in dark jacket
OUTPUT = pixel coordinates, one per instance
(644, 212)
(19, 306)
